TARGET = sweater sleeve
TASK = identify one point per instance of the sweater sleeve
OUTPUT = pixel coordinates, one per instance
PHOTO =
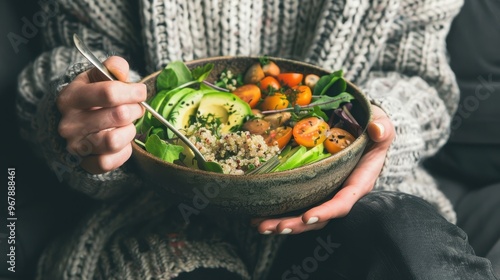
(413, 83)
(39, 84)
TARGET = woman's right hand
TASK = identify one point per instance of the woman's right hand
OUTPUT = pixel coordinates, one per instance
(97, 116)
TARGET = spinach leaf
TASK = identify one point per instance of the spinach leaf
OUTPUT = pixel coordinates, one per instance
(160, 131)
(162, 150)
(174, 74)
(200, 73)
(329, 103)
(330, 84)
(299, 113)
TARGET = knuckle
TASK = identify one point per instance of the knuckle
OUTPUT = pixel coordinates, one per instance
(113, 141)
(64, 129)
(121, 114)
(108, 93)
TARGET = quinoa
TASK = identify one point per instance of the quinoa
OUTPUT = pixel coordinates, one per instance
(235, 152)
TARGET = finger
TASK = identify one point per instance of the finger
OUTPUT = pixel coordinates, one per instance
(82, 96)
(104, 142)
(291, 225)
(116, 65)
(338, 206)
(79, 125)
(380, 129)
(98, 164)
(359, 183)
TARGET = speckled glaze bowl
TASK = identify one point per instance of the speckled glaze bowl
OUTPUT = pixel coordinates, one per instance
(256, 195)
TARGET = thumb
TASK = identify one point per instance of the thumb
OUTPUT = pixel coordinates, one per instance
(380, 129)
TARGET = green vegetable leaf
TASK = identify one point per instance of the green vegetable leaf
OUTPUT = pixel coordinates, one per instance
(166, 80)
(200, 73)
(326, 102)
(264, 60)
(330, 84)
(160, 131)
(174, 74)
(317, 112)
(163, 150)
(300, 113)
(139, 125)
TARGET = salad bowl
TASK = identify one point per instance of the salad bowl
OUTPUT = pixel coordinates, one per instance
(258, 194)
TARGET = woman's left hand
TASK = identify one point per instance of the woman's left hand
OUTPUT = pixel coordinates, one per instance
(358, 184)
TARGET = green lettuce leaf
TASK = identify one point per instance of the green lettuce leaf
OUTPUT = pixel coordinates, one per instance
(163, 150)
(173, 75)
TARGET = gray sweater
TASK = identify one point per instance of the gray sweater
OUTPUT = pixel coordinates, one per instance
(393, 49)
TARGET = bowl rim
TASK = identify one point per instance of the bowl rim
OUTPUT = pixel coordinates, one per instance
(362, 139)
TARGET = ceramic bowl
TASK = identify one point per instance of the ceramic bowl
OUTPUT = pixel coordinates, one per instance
(270, 194)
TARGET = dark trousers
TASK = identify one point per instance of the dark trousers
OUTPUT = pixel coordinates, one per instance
(385, 236)
(470, 176)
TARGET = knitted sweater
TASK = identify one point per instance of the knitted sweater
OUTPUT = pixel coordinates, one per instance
(393, 49)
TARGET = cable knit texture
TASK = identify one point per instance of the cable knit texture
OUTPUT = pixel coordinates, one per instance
(393, 49)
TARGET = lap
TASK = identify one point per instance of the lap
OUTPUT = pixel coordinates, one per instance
(478, 214)
(385, 236)
(468, 175)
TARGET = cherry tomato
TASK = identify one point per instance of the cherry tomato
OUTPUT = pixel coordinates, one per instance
(249, 93)
(267, 83)
(290, 79)
(310, 131)
(274, 102)
(300, 95)
(280, 136)
(337, 140)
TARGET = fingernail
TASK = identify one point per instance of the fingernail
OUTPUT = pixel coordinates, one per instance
(381, 128)
(312, 220)
(267, 232)
(286, 231)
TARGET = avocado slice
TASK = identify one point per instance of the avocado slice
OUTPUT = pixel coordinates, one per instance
(172, 99)
(184, 112)
(225, 106)
(156, 104)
